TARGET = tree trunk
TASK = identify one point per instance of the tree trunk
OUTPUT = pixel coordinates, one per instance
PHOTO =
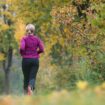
(7, 83)
(6, 66)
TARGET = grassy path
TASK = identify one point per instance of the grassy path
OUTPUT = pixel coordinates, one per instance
(87, 97)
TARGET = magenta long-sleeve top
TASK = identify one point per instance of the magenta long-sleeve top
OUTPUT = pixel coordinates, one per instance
(31, 46)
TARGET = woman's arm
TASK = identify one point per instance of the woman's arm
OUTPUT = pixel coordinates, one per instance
(22, 46)
(41, 46)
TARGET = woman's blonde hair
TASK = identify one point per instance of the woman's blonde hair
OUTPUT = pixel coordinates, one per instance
(30, 27)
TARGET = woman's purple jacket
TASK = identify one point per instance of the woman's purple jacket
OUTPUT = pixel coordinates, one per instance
(31, 46)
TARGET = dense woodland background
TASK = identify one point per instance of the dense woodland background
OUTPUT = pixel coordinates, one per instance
(73, 32)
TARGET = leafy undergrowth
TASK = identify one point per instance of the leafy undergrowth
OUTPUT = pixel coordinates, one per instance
(82, 96)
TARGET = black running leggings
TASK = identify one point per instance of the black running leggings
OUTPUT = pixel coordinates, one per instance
(30, 68)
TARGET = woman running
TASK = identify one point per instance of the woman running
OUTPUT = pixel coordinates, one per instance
(30, 48)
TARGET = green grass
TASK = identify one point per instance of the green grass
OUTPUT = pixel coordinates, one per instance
(77, 97)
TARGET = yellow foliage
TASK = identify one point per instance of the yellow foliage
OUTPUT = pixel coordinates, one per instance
(66, 30)
(62, 41)
(20, 30)
(103, 45)
(63, 14)
(10, 1)
(103, 85)
(82, 85)
(2, 57)
(5, 27)
(50, 42)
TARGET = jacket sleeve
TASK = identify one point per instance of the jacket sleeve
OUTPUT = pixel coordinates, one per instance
(40, 46)
(22, 46)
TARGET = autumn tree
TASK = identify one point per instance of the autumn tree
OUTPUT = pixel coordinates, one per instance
(81, 23)
(7, 39)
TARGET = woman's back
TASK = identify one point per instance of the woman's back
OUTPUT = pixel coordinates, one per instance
(31, 46)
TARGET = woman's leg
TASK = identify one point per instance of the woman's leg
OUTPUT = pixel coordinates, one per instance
(26, 72)
(33, 73)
